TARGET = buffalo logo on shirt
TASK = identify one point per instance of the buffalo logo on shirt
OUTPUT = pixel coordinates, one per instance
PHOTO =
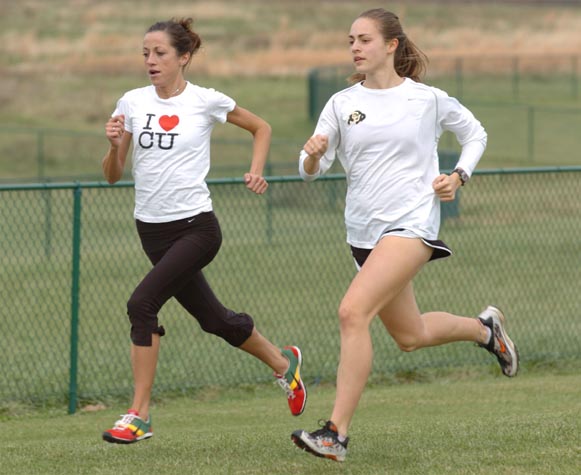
(356, 117)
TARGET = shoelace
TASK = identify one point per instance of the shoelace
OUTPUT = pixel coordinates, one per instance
(282, 382)
(324, 430)
(125, 420)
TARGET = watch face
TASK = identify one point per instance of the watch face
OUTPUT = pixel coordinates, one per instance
(462, 174)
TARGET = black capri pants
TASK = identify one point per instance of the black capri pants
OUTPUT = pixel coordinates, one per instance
(178, 251)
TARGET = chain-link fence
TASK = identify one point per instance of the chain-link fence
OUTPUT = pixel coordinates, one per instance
(71, 258)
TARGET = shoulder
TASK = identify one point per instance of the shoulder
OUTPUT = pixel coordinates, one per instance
(344, 97)
(138, 95)
(425, 89)
(205, 93)
(347, 93)
(209, 97)
(139, 92)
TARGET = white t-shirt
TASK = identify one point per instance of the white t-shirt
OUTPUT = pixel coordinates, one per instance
(171, 149)
(387, 140)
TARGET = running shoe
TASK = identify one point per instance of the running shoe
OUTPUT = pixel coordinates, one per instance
(323, 442)
(291, 381)
(500, 345)
(129, 429)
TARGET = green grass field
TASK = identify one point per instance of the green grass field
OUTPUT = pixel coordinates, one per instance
(479, 424)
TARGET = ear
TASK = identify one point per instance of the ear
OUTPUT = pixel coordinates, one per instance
(184, 59)
(392, 45)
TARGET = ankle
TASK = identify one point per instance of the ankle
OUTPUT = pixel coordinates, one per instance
(488, 335)
(283, 366)
(142, 414)
(485, 334)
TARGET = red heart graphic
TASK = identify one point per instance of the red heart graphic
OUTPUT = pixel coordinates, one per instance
(168, 122)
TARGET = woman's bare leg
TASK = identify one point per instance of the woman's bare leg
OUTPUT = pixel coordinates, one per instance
(412, 330)
(387, 271)
(144, 364)
(265, 351)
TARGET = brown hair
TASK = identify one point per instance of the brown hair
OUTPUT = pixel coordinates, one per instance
(409, 60)
(181, 35)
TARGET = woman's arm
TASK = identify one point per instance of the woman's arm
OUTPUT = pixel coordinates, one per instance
(261, 131)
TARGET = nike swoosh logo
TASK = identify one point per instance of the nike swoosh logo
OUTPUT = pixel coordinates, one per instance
(191, 220)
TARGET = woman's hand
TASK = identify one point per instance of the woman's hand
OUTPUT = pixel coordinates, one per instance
(316, 146)
(445, 186)
(255, 183)
(114, 129)
(114, 162)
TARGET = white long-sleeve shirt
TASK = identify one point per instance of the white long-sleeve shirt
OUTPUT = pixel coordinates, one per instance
(387, 140)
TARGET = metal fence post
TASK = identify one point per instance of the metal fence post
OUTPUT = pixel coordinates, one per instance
(515, 79)
(531, 134)
(269, 206)
(40, 155)
(47, 197)
(76, 268)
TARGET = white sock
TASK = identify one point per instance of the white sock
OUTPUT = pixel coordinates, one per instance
(488, 335)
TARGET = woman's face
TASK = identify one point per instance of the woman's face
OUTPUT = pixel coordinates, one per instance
(161, 59)
(369, 50)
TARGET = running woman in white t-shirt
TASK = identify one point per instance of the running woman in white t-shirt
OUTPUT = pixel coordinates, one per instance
(385, 130)
(170, 123)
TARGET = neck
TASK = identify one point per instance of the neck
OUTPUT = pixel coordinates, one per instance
(382, 80)
(171, 91)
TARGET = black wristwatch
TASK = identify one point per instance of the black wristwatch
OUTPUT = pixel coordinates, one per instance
(462, 174)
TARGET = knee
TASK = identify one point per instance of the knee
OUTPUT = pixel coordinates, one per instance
(139, 307)
(409, 343)
(350, 318)
(234, 328)
(142, 315)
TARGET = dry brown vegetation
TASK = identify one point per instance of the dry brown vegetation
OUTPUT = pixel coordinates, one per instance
(266, 37)
(64, 63)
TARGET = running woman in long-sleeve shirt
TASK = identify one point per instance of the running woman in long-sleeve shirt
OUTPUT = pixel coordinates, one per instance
(384, 130)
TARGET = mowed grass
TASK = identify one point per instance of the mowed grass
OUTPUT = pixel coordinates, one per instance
(478, 425)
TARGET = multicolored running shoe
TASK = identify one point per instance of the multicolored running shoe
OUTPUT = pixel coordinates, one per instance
(500, 345)
(323, 442)
(129, 429)
(291, 381)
